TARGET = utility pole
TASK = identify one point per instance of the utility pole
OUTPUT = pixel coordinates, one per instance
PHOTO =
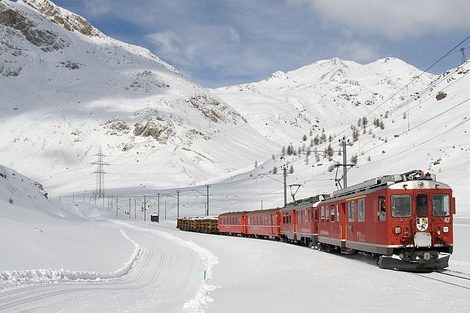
(344, 165)
(464, 58)
(99, 191)
(345, 168)
(284, 173)
(145, 208)
(158, 205)
(165, 210)
(129, 208)
(177, 204)
(135, 208)
(207, 194)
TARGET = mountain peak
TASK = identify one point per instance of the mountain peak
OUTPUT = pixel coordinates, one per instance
(67, 19)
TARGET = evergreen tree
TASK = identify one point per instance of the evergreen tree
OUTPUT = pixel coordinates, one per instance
(291, 169)
(354, 159)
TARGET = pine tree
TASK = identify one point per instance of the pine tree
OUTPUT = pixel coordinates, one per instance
(291, 169)
(354, 159)
(274, 170)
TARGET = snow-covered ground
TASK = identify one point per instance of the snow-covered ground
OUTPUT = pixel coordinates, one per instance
(77, 257)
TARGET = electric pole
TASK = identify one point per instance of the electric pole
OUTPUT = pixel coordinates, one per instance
(344, 165)
(145, 208)
(99, 191)
(284, 173)
(177, 204)
(207, 195)
(464, 58)
(158, 205)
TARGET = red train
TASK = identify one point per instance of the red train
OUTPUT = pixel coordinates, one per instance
(405, 220)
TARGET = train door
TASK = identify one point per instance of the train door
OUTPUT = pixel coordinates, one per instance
(350, 219)
(343, 221)
(381, 219)
(421, 204)
(244, 224)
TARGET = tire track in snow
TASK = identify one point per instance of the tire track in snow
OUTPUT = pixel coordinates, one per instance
(202, 298)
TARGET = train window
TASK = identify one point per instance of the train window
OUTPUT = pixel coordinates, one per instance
(382, 212)
(316, 214)
(440, 205)
(422, 205)
(322, 213)
(351, 211)
(333, 213)
(361, 210)
(401, 205)
(337, 213)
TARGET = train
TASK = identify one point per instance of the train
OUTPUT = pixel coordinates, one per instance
(405, 221)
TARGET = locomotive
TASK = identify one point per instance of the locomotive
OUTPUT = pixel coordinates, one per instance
(404, 220)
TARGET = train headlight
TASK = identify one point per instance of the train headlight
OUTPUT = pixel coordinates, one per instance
(445, 229)
(397, 230)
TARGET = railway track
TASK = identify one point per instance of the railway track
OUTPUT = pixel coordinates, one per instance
(449, 277)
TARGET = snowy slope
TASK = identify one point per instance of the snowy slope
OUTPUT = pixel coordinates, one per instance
(324, 94)
(43, 237)
(67, 90)
(414, 129)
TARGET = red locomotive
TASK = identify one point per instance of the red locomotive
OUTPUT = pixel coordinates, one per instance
(405, 220)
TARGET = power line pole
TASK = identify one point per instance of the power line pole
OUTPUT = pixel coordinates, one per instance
(99, 191)
(344, 165)
(145, 208)
(158, 205)
(177, 204)
(464, 58)
(284, 174)
(345, 168)
(207, 195)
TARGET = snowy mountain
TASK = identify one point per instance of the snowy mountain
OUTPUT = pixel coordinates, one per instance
(394, 118)
(68, 89)
(324, 94)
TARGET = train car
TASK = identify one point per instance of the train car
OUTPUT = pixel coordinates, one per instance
(406, 220)
(207, 224)
(300, 221)
(233, 223)
(264, 224)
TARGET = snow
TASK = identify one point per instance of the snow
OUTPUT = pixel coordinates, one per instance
(70, 252)
(127, 265)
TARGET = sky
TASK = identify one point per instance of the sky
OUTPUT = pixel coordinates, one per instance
(226, 42)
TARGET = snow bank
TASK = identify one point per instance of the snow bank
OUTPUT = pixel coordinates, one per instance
(10, 279)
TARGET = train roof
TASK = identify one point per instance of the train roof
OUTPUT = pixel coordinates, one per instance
(416, 177)
(306, 202)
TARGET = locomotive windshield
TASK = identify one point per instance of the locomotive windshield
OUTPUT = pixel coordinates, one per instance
(401, 205)
(440, 205)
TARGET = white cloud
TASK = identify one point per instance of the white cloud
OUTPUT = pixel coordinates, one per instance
(97, 8)
(395, 19)
(168, 42)
(357, 51)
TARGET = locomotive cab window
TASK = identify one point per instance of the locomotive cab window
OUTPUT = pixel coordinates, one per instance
(401, 205)
(440, 205)
(382, 212)
(422, 205)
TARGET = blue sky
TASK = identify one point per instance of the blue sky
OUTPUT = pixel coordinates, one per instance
(226, 42)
